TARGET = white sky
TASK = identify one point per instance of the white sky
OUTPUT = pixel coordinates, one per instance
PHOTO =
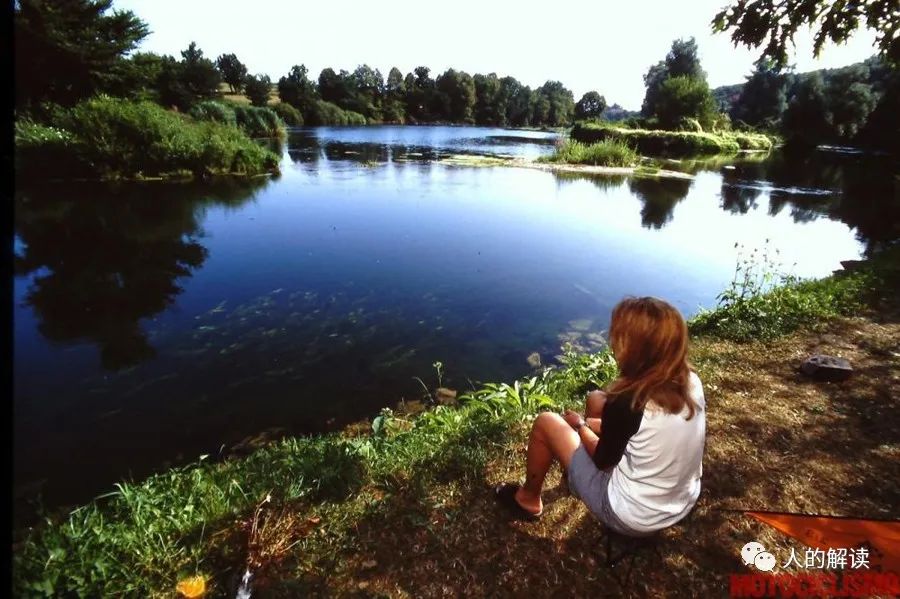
(587, 45)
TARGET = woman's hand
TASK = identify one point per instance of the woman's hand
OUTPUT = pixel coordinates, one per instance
(573, 419)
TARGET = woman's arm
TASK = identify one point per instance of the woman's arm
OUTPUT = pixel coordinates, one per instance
(586, 428)
(589, 438)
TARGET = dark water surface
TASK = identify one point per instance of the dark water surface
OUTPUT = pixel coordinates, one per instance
(158, 321)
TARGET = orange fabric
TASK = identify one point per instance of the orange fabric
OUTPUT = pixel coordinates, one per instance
(881, 538)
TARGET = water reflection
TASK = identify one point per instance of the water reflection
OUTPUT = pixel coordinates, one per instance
(96, 272)
(659, 197)
(857, 189)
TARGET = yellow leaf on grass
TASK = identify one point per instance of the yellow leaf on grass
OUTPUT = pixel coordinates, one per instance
(192, 587)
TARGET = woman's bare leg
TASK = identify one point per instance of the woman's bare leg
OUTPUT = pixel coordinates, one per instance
(551, 439)
(593, 405)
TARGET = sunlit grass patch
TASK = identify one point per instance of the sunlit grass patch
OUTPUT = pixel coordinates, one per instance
(604, 153)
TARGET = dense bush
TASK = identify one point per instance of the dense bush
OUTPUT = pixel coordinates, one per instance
(326, 113)
(657, 142)
(603, 153)
(111, 138)
(210, 110)
(290, 115)
(684, 97)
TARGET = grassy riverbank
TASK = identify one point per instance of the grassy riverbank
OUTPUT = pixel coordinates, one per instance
(676, 144)
(108, 138)
(403, 507)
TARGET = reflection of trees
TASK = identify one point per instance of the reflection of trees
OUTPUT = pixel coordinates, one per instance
(103, 258)
(864, 194)
(739, 199)
(659, 196)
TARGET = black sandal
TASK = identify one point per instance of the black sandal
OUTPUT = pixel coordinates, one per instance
(506, 494)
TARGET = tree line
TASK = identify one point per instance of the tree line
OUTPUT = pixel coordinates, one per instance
(70, 51)
(67, 54)
(856, 104)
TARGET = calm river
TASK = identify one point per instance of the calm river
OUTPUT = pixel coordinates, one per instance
(156, 322)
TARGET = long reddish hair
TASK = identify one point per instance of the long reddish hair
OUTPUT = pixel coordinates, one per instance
(649, 340)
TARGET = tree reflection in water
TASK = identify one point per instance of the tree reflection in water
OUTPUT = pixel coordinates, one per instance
(856, 189)
(659, 197)
(102, 258)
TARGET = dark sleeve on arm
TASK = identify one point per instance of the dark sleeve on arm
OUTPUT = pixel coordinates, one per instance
(617, 425)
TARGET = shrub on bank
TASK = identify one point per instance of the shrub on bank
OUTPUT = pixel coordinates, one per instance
(211, 110)
(290, 115)
(763, 303)
(114, 138)
(326, 113)
(604, 153)
(253, 120)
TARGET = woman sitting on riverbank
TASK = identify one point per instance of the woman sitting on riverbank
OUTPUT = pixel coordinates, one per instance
(635, 459)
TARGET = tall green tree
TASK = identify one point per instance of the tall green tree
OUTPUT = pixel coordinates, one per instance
(882, 130)
(490, 104)
(67, 50)
(518, 102)
(653, 81)
(199, 74)
(296, 89)
(807, 120)
(257, 88)
(763, 97)
(420, 94)
(456, 90)
(850, 100)
(560, 104)
(685, 97)
(590, 106)
(772, 24)
(367, 85)
(682, 60)
(234, 72)
(192, 79)
(333, 87)
(393, 103)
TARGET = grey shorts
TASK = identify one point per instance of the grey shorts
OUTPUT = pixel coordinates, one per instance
(588, 483)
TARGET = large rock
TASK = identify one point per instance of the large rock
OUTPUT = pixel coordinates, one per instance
(826, 368)
(445, 396)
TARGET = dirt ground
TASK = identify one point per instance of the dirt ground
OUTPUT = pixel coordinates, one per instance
(776, 441)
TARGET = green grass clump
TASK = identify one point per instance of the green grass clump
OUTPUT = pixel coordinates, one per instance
(290, 115)
(253, 120)
(751, 141)
(217, 112)
(603, 153)
(112, 138)
(258, 121)
(140, 539)
(670, 143)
